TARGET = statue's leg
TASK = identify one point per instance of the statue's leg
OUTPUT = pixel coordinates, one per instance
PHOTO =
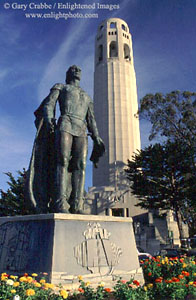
(63, 157)
(79, 156)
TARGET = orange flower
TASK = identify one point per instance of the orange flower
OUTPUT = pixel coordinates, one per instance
(29, 279)
(133, 286)
(81, 290)
(42, 281)
(48, 285)
(180, 276)
(64, 294)
(123, 281)
(16, 283)
(30, 292)
(108, 290)
(37, 284)
(159, 280)
(4, 276)
(23, 279)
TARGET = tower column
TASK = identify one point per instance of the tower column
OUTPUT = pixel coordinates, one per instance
(115, 99)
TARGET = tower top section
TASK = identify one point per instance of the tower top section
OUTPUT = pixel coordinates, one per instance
(113, 42)
(113, 23)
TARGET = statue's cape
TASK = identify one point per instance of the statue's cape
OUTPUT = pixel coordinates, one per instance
(40, 176)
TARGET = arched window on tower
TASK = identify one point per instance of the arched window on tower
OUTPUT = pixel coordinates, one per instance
(101, 28)
(100, 53)
(123, 27)
(113, 49)
(112, 25)
(127, 55)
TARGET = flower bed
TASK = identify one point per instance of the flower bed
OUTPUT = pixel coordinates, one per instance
(165, 279)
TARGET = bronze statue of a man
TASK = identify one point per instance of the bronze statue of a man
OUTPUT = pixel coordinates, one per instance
(57, 168)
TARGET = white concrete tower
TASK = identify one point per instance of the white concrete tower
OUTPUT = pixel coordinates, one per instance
(115, 99)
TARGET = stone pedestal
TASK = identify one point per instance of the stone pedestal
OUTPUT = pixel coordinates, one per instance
(66, 245)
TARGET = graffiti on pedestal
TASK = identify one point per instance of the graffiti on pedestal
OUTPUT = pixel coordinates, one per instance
(97, 253)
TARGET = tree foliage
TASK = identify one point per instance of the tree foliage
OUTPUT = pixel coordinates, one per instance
(12, 202)
(172, 115)
(161, 177)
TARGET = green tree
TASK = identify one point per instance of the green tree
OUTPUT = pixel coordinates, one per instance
(172, 115)
(160, 177)
(12, 202)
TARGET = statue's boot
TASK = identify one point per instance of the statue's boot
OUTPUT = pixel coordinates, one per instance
(77, 194)
(77, 206)
(62, 206)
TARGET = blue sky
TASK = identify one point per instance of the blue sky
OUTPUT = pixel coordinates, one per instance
(35, 53)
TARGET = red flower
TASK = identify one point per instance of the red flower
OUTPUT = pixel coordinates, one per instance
(168, 281)
(175, 279)
(81, 290)
(158, 265)
(185, 273)
(108, 290)
(159, 280)
(136, 282)
(149, 274)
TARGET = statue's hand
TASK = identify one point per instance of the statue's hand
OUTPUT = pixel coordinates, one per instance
(98, 150)
(99, 142)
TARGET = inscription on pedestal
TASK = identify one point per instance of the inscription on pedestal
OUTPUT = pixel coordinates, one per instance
(97, 253)
(14, 245)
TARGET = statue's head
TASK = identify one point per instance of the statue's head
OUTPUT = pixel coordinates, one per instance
(74, 72)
